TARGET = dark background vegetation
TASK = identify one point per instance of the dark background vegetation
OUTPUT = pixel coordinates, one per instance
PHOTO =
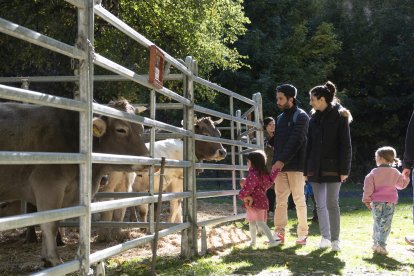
(364, 46)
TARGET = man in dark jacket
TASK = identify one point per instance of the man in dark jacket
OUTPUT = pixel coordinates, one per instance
(408, 162)
(289, 155)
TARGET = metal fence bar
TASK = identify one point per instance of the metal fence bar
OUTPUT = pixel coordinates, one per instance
(209, 194)
(117, 249)
(120, 25)
(19, 221)
(225, 141)
(222, 90)
(76, 78)
(18, 94)
(104, 110)
(85, 40)
(214, 221)
(80, 4)
(137, 160)
(102, 206)
(223, 115)
(25, 34)
(115, 224)
(63, 269)
(16, 158)
(116, 68)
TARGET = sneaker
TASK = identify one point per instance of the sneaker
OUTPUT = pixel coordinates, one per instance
(273, 244)
(335, 246)
(325, 243)
(301, 240)
(409, 240)
(382, 250)
(279, 237)
(375, 248)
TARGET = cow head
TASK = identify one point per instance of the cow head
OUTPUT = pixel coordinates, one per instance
(115, 136)
(205, 150)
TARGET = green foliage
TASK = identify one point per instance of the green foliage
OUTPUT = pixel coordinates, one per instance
(365, 47)
(204, 29)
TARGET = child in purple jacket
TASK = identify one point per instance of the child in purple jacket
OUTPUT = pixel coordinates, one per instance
(253, 193)
(380, 195)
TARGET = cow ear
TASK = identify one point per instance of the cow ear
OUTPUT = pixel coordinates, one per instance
(99, 127)
(140, 109)
(219, 121)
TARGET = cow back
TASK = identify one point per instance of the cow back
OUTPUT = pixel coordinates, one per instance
(25, 127)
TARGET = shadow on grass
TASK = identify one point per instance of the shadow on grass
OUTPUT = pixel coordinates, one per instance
(387, 262)
(284, 258)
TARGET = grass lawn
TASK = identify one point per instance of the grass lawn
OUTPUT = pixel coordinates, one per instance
(356, 257)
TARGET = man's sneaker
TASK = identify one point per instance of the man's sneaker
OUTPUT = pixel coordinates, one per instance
(279, 237)
(325, 243)
(409, 240)
(375, 248)
(381, 250)
(335, 246)
(301, 240)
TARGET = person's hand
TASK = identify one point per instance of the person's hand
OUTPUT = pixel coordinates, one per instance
(368, 205)
(248, 200)
(406, 172)
(343, 178)
(242, 182)
(278, 165)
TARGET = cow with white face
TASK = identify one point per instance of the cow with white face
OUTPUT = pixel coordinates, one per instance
(173, 181)
(25, 127)
(173, 177)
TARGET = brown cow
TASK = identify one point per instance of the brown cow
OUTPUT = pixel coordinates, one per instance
(173, 181)
(25, 127)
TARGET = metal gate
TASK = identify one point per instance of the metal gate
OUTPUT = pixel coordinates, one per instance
(84, 52)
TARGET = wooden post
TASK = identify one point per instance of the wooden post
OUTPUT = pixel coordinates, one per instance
(157, 217)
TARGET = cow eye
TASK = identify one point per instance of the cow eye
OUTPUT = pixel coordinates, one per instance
(122, 130)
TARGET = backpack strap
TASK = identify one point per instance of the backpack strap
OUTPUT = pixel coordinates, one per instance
(295, 116)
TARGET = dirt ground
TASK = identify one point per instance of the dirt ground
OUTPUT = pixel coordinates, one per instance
(20, 258)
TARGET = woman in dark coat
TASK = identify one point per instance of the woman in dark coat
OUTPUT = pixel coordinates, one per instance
(328, 158)
(269, 136)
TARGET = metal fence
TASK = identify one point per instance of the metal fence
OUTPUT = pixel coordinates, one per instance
(84, 51)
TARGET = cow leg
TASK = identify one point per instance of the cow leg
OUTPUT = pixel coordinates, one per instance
(104, 234)
(143, 212)
(116, 233)
(175, 211)
(49, 249)
(42, 191)
(31, 236)
(59, 239)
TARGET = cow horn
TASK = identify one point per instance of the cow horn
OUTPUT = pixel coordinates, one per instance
(140, 109)
(219, 121)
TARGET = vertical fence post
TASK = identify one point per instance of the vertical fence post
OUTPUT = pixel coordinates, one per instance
(151, 168)
(85, 42)
(189, 236)
(233, 156)
(258, 118)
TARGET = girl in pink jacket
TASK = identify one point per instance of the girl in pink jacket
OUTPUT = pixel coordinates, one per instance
(253, 193)
(380, 195)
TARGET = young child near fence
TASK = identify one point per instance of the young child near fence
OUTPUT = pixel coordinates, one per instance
(253, 193)
(380, 195)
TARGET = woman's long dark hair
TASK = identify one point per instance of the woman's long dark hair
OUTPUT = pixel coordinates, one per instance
(258, 161)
